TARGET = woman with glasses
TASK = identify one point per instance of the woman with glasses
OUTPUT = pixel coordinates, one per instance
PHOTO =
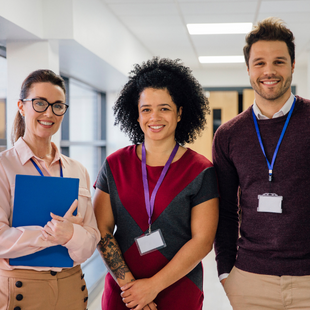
(156, 201)
(40, 112)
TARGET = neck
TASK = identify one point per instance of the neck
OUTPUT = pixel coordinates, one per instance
(158, 148)
(158, 152)
(42, 148)
(270, 107)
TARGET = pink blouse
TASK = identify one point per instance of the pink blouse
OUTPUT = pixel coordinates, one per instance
(20, 241)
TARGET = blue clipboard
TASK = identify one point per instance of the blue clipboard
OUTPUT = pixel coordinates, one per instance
(35, 197)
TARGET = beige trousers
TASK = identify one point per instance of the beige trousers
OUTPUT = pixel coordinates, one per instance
(37, 290)
(250, 291)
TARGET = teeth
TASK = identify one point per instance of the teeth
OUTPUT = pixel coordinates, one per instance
(156, 127)
(270, 83)
(46, 123)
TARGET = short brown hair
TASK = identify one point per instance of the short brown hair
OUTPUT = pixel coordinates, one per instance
(269, 29)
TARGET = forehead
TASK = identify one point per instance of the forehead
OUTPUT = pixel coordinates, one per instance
(46, 90)
(154, 94)
(268, 49)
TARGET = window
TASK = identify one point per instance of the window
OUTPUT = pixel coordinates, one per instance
(83, 137)
(83, 128)
(3, 92)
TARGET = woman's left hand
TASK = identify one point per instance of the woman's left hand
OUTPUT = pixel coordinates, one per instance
(137, 294)
(74, 219)
(59, 230)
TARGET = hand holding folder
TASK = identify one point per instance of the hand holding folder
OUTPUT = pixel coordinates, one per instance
(35, 198)
(60, 229)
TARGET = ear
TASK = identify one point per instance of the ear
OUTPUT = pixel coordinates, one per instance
(293, 66)
(247, 69)
(20, 106)
(180, 113)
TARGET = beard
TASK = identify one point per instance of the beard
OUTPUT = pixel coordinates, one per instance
(277, 93)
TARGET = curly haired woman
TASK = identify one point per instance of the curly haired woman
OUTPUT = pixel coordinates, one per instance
(160, 196)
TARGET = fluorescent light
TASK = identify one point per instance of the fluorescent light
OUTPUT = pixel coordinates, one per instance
(221, 59)
(219, 28)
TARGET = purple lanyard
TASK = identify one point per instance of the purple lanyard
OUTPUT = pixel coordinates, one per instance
(149, 203)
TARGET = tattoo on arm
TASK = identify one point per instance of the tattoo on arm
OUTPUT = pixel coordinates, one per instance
(111, 253)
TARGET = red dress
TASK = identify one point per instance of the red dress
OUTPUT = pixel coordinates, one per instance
(189, 181)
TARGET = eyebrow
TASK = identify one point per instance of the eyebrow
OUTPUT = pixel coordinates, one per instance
(43, 98)
(161, 105)
(277, 58)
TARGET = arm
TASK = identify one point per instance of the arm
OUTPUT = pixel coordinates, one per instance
(204, 218)
(16, 241)
(225, 244)
(79, 234)
(108, 246)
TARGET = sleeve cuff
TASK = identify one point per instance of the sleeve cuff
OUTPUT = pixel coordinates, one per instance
(75, 242)
(223, 276)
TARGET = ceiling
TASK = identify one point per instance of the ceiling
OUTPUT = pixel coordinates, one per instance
(160, 25)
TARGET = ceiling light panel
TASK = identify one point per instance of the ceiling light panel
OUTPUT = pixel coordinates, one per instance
(219, 28)
(221, 59)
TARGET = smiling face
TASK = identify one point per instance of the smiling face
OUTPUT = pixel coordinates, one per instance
(41, 125)
(158, 114)
(270, 70)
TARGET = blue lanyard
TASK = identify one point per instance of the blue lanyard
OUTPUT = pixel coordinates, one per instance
(39, 170)
(149, 203)
(270, 166)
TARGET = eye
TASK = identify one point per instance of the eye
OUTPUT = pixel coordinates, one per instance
(59, 106)
(145, 110)
(40, 103)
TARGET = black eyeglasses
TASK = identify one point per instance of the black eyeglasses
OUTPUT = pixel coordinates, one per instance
(41, 105)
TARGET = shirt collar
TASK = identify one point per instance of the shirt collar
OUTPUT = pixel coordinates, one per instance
(283, 111)
(24, 152)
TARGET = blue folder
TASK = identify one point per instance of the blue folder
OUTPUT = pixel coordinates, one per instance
(35, 198)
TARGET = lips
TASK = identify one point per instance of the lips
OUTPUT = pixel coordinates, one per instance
(45, 123)
(156, 127)
(269, 83)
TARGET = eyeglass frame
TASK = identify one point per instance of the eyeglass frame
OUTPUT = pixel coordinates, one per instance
(48, 104)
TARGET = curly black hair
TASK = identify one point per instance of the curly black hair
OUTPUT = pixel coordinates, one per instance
(184, 89)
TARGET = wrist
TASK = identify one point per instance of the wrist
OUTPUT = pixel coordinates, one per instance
(128, 278)
(157, 284)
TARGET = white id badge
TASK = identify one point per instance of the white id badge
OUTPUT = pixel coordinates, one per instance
(150, 242)
(270, 203)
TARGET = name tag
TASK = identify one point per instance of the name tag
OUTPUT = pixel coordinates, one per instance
(150, 242)
(270, 203)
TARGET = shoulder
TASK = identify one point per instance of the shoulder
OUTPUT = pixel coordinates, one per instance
(302, 102)
(7, 153)
(73, 168)
(8, 156)
(237, 122)
(122, 154)
(196, 160)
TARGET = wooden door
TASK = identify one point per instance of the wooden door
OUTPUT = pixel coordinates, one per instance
(248, 98)
(227, 103)
(2, 119)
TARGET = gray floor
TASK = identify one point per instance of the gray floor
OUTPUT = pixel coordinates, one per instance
(215, 298)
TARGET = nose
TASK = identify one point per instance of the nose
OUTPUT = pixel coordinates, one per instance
(155, 115)
(270, 70)
(49, 111)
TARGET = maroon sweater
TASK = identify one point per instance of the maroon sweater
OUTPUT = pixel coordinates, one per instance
(269, 243)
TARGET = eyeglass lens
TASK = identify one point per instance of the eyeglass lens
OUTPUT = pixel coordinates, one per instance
(41, 105)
